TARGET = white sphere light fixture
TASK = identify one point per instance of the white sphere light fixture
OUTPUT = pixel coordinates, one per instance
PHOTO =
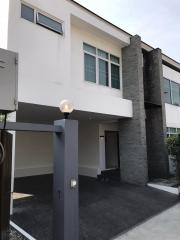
(66, 107)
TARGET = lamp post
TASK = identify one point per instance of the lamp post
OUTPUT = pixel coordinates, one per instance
(66, 107)
(66, 193)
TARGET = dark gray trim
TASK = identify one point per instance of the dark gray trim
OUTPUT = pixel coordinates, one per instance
(18, 126)
(171, 66)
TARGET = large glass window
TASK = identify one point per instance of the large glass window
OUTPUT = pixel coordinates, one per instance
(105, 67)
(103, 73)
(115, 80)
(167, 91)
(90, 68)
(27, 13)
(175, 93)
(171, 92)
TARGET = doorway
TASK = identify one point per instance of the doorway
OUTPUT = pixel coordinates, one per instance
(112, 156)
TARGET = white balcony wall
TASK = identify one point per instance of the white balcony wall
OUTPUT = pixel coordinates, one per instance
(94, 97)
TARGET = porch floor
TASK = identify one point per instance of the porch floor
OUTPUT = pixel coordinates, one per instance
(106, 209)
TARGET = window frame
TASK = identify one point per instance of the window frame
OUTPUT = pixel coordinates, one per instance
(171, 93)
(119, 75)
(93, 55)
(85, 52)
(170, 88)
(46, 26)
(102, 59)
(97, 57)
(30, 6)
(169, 133)
(172, 97)
(36, 11)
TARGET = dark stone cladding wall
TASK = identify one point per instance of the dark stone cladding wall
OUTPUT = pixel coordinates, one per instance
(133, 152)
(155, 115)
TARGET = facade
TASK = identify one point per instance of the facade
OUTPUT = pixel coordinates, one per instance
(126, 94)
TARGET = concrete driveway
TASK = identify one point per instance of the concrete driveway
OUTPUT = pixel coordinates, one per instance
(106, 209)
(165, 226)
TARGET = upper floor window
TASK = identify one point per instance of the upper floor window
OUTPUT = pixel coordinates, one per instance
(167, 91)
(49, 23)
(27, 13)
(175, 91)
(172, 131)
(101, 67)
(172, 92)
(35, 16)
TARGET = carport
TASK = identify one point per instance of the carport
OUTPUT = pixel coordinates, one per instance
(106, 208)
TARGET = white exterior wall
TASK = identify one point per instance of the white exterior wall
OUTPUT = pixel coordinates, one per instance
(46, 66)
(34, 154)
(92, 146)
(88, 148)
(4, 13)
(172, 112)
(34, 151)
(44, 56)
(51, 68)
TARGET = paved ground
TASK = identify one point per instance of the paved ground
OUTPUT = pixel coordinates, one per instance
(165, 226)
(14, 235)
(106, 209)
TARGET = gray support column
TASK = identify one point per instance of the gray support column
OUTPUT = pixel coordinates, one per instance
(5, 185)
(155, 113)
(133, 154)
(66, 202)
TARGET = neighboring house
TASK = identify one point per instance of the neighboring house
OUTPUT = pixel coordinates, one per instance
(117, 83)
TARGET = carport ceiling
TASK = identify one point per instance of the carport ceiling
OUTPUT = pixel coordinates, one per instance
(45, 114)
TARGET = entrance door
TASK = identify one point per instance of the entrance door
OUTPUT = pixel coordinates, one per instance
(112, 149)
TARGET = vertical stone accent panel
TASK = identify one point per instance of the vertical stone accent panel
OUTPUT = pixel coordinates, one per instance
(133, 152)
(155, 116)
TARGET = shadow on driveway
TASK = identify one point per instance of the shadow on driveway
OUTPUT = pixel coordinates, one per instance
(106, 209)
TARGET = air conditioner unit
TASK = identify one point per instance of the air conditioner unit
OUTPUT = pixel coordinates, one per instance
(8, 81)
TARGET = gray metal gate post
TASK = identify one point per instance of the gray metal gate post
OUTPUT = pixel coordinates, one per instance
(66, 202)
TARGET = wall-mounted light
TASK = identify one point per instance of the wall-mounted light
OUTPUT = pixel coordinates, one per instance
(101, 137)
(73, 183)
(66, 107)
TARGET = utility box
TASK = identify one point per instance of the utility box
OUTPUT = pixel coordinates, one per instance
(8, 81)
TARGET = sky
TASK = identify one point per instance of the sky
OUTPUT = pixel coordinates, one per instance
(156, 21)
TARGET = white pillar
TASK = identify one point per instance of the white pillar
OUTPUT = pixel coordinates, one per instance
(12, 118)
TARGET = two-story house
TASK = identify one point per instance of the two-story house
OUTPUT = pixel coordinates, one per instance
(125, 93)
